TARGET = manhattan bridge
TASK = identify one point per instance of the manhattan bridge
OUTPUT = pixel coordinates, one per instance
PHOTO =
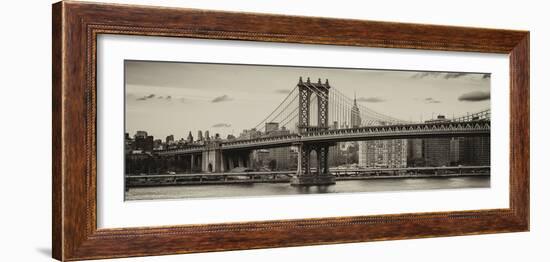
(318, 116)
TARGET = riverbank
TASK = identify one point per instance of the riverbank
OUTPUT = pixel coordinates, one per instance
(380, 184)
(212, 179)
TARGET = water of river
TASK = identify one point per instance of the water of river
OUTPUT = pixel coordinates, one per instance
(270, 189)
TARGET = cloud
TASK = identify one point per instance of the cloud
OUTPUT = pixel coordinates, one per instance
(430, 100)
(425, 74)
(475, 96)
(222, 125)
(223, 98)
(454, 75)
(151, 96)
(143, 98)
(444, 75)
(282, 91)
(371, 99)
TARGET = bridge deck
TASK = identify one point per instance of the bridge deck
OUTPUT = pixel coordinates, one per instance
(403, 131)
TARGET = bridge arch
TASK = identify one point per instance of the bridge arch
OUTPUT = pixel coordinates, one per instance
(313, 157)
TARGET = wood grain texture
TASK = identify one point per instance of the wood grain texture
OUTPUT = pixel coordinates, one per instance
(57, 195)
(76, 26)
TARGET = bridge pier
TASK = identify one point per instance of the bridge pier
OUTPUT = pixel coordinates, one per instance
(212, 159)
(304, 175)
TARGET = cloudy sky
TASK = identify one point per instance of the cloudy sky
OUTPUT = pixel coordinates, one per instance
(166, 98)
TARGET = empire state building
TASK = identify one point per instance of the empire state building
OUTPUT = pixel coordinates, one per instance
(355, 114)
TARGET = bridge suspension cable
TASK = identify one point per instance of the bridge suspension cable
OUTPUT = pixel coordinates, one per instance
(481, 115)
(339, 110)
(292, 94)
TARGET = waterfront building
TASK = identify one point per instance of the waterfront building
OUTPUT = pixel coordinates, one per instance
(335, 156)
(279, 157)
(383, 153)
(455, 150)
(293, 159)
(475, 151)
(414, 152)
(260, 159)
(437, 151)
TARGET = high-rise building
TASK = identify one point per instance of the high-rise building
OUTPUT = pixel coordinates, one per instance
(261, 159)
(279, 156)
(199, 136)
(335, 156)
(383, 153)
(414, 152)
(250, 134)
(143, 143)
(270, 127)
(355, 114)
(293, 159)
(128, 143)
(475, 151)
(190, 137)
(157, 144)
(140, 134)
(170, 139)
(454, 154)
(437, 151)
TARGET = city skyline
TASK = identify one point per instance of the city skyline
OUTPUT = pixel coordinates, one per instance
(164, 97)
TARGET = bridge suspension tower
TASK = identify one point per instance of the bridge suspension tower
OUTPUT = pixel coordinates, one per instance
(304, 174)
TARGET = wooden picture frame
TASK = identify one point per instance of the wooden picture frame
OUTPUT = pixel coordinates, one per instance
(76, 26)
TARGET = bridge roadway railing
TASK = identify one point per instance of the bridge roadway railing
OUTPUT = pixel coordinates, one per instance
(408, 128)
(187, 150)
(285, 140)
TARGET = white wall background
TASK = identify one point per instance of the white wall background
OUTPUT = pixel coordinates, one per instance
(25, 152)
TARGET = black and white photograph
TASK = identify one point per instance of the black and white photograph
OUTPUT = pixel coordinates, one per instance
(274, 131)
(207, 130)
